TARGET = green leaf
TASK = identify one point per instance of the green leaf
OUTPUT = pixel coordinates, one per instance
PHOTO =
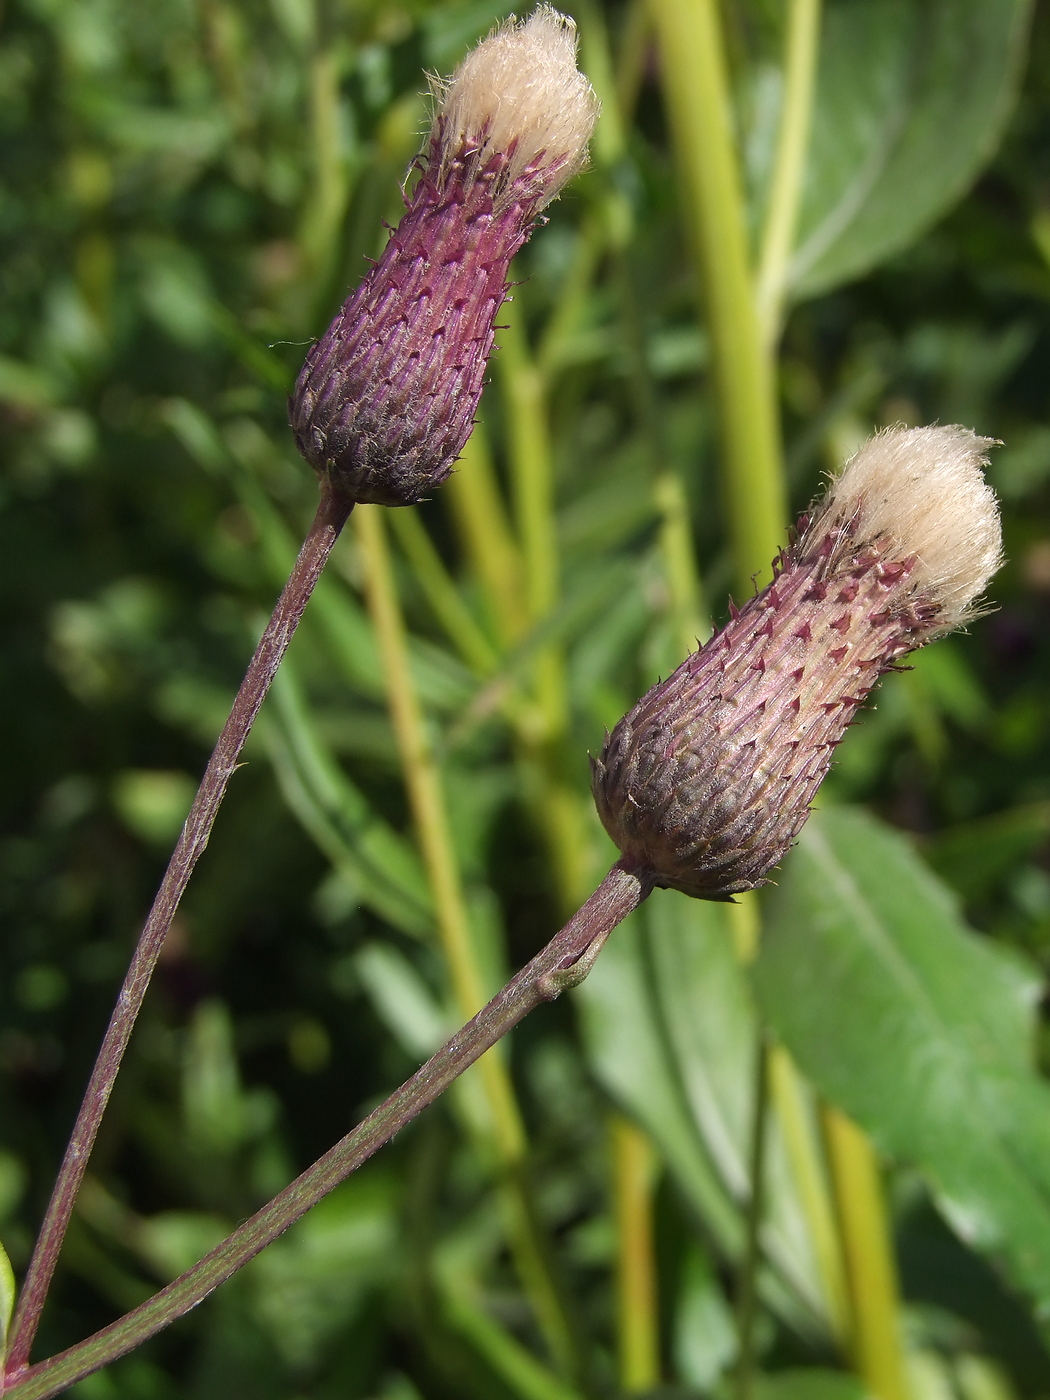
(456, 1265)
(917, 1028)
(378, 865)
(402, 999)
(912, 97)
(810, 1383)
(308, 1287)
(705, 1005)
(975, 855)
(173, 1240)
(421, 1024)
(671, 1032)
(153, 802)
(26, 385)
(622, 1035)
(705, 1333)
(8, 1293)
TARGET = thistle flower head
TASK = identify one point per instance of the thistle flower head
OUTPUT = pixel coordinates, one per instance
(386, 399)
(520, 94)
(708, 780)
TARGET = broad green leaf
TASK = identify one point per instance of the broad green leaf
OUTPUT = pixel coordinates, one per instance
(912, 97)
(175, 290)
(623, 1038)
(420, 1024)
(173, 1240)
(671, 1033)
(219, 1114)
(917, 1028)
(708, 1016)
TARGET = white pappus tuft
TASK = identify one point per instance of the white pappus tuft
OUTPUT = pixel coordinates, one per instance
(923, 491)
(519, 93)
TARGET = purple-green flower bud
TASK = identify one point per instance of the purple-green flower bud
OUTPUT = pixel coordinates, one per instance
(386, 399)
(709, 779)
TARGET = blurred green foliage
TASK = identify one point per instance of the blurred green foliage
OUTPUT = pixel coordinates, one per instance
(187, 190)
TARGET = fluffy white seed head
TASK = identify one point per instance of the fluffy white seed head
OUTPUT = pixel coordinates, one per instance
(923, 489)
(519, 92)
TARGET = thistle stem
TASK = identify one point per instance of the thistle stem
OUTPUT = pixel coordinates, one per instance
(563, 963)
(332, 513)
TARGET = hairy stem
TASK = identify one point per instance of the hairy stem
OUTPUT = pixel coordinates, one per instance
(332, 513)
(563, 963)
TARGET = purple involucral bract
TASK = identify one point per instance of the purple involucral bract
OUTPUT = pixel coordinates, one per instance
(386, 399)
(709, 779)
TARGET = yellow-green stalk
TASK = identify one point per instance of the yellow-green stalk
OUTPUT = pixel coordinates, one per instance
(426, 795)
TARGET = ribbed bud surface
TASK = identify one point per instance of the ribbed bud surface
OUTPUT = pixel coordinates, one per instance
(386, 399)
(708, 780)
